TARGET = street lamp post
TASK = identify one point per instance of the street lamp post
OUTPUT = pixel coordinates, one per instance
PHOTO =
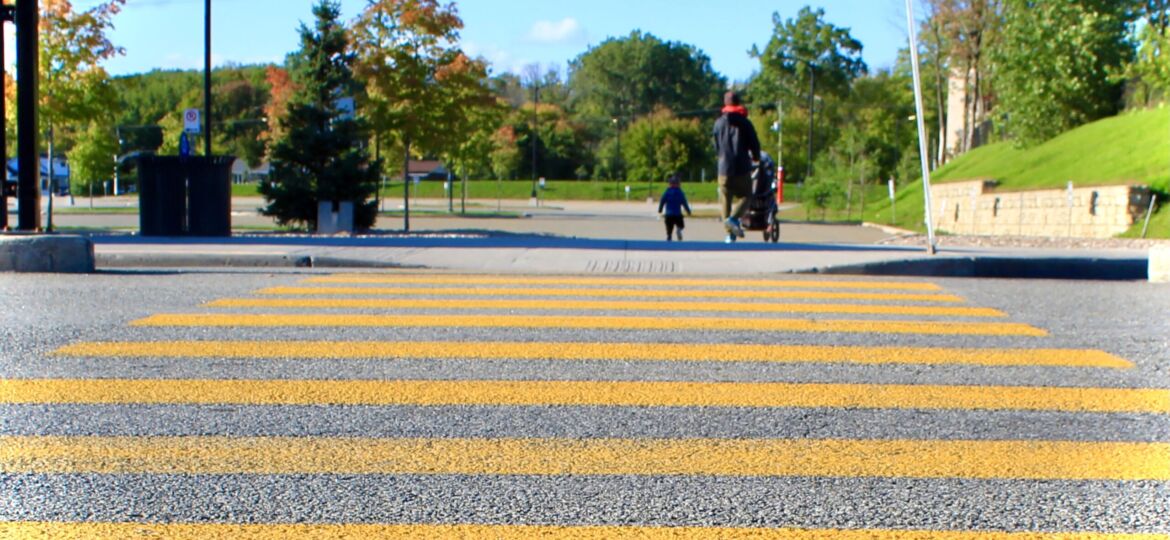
(618, 158)
(535, 124)
(812, 90)
(812, 115)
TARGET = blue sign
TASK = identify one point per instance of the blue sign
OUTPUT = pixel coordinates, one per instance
(184, 146)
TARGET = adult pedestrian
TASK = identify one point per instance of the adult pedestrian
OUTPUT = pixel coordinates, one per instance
(737, 146)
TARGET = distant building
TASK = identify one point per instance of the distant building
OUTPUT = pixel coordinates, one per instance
(60, 173)
(427, 169)
(242, 173)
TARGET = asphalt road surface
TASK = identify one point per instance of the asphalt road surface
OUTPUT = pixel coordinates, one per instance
(311, 405)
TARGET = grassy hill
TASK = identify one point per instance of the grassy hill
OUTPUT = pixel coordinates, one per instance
(1132, 148)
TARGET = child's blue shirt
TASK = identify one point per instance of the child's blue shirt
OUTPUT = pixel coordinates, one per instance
(674, 200)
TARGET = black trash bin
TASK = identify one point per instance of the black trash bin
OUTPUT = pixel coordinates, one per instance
(185, 196)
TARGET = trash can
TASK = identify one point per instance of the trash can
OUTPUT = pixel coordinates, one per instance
(185, 196)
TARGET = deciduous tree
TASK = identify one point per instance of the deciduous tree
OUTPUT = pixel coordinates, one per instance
(420, 84)
(1058, 65)
(639, 73)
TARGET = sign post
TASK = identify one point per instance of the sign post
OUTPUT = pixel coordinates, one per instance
(893, 203)
(184, 145)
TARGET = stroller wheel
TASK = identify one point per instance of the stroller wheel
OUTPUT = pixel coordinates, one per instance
(775, 230)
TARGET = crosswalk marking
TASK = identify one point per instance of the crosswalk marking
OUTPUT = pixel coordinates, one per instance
(596, 393)
(621, 281)
(1023, 460)
(594, 322)
(560, 304)
(567, 351)
(326, 302)
(296, 531)
(612, 293)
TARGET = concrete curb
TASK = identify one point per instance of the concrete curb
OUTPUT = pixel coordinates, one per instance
(1159, 271)
(179, 260)
(46, 253)
(1004, 267)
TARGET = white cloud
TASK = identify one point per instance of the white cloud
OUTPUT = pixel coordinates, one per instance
(564, 31)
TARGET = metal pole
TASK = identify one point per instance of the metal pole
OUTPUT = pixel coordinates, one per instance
(535, 138)
(27, 95)
(406, 187)
(812, 88)
(450, 193)
(922, 146)
(207, 77)
(4, 17)
(780, 134)
(51, 183)
(1150, 210)
(463, 190)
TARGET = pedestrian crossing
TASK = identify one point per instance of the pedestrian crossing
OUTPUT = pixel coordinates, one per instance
(496, 324)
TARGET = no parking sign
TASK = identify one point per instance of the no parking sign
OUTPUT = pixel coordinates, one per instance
(191, 120)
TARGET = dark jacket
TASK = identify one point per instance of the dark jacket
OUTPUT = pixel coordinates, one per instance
(674, 200)
(736, 144)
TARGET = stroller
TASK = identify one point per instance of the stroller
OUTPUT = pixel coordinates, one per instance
(763, 212)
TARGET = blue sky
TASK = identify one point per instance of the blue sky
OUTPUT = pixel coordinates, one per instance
(510, 33)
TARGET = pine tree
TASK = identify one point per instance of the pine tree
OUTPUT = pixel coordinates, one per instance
(321, 153)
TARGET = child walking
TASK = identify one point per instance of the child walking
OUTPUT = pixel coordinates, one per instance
(674, 201)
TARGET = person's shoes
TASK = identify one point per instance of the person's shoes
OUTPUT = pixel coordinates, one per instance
(732, 225)
(730, 239)
(668, 238)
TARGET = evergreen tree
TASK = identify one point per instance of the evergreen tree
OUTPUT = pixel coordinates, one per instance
(321, 155)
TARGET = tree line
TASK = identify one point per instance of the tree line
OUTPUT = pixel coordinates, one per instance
(631, 107)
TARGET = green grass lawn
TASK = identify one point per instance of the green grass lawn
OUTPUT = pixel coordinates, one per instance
(1130, 148)
(102, 210)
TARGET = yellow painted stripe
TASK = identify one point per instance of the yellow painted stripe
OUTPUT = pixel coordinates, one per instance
(593, 393)
(612, 293)
(684, 307)
(606, 323)
(662, 352)
(619, 281)
(1054, 460)
(296, 531)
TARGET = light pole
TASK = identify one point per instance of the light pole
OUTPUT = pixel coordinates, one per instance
(7, 14)
(617, 161)
(922, 146)
(812, 90)
(535, 124)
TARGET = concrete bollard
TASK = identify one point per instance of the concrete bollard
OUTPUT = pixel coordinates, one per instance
(1160, 264)
(46, 253)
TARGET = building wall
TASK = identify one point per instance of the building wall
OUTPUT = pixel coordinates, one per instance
(1095, 212)
(956, 105)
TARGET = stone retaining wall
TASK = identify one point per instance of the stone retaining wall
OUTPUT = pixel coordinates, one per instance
(975, 207)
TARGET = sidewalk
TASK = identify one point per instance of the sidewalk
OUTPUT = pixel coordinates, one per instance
(504, 253)
(599, 237)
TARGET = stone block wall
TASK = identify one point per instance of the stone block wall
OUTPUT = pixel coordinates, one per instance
(976, 208)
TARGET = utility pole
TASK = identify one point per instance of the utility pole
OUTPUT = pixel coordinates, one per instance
(812, 114)
(207, 78)
(922, 145)
(27, 95)
(7, 14)
(535, 120)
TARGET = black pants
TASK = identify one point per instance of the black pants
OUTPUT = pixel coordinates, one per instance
(672, 222)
